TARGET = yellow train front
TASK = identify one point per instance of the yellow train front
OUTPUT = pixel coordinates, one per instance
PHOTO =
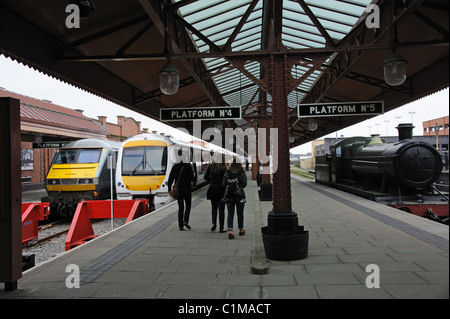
(79, 171)
(144, 163)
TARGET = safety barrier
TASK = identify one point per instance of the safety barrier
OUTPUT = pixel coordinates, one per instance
(420, 209)
(32, 213)
(81, 229)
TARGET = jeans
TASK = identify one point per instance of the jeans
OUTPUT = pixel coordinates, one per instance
(218, 205)
(183, 214)
(240, 214)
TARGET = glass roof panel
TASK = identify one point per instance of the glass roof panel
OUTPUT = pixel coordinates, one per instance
(217, 19)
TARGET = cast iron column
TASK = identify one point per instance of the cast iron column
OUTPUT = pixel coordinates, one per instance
(282, 218)
(10, 194)
(283, 238)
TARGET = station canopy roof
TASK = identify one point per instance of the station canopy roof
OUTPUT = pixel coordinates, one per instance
(222, 49)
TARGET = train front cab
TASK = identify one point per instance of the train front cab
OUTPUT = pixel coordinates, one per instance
(143, 168)
(78, 174)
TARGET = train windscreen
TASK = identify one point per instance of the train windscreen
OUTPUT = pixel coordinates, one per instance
(144, 160)
(77, 156)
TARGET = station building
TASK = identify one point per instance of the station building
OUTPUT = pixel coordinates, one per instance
(437, 126)
(43, 123)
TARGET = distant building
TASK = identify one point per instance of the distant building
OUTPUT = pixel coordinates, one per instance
(429, 127)
(125, 127)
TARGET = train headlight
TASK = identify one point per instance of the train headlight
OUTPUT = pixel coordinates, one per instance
(53, 182)
(85, 181)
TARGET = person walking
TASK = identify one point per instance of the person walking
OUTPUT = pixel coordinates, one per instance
(234, 181)
(214, 175)
(182, 174)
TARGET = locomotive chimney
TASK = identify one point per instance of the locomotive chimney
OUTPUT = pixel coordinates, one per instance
(405, 131)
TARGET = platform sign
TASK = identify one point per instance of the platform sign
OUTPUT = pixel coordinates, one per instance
(202, 113)
(50, 144)
(340, 109)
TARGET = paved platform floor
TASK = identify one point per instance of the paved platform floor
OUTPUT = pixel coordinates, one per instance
(152, 258)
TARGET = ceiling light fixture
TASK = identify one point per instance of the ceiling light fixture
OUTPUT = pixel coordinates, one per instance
(394, 68)
(312, 124)
(169, 79)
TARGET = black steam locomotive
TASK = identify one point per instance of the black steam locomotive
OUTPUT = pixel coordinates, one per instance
(397, 174)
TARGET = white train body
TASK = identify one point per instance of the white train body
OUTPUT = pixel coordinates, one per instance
(144, 163)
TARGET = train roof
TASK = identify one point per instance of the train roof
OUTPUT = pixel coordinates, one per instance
(171, 140)
(92, 143)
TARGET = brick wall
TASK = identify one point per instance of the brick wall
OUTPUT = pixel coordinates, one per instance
(125, 127)
(443, 122)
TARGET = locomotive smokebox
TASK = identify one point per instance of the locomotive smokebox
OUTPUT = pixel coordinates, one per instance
(405, 131)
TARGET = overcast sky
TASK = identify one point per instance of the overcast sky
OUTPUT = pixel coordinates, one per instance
(21, 79)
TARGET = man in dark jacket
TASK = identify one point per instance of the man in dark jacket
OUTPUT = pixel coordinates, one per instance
(184, 191)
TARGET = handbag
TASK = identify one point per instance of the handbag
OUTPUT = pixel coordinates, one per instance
(174, 191)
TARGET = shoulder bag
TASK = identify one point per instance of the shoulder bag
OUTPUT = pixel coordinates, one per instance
(174, 191)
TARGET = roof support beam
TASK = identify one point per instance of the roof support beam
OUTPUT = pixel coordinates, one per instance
(241, 23)
(182, 44)
(328, 80)
(133, 39)
(293, 53)
(319, 26)
(105, 32)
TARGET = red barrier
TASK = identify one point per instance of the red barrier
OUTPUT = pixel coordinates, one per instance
(420, 209)
(32, 213)
(81, 229)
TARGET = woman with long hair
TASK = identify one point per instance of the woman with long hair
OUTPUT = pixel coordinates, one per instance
(234, 181)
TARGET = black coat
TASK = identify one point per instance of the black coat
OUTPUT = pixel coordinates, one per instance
(216, 189)
(186, 179)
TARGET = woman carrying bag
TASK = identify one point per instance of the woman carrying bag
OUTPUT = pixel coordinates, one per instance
(183, 176)
(234, 181)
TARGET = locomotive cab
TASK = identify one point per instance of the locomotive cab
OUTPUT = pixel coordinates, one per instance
(79, 172)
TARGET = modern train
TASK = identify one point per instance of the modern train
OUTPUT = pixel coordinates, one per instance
(79, 171)
(397, 174)
(144, 163)
(140, 168)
